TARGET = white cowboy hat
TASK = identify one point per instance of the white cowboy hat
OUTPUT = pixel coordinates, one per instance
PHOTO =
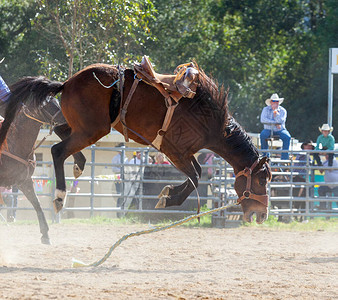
(274, 97)
(325, 127)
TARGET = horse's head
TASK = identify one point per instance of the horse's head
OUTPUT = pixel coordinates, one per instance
(251, 187)
(49, 111)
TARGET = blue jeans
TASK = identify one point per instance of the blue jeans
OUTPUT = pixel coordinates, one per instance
(283, 134)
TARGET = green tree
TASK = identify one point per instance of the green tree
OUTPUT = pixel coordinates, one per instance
(312, 98)
(256, 47)
(16, 39)
(92, 31)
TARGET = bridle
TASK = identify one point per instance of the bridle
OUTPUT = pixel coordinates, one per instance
(248, 194)
(29, 115)
(26, 111)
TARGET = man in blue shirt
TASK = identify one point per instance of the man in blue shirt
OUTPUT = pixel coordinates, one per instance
(273, 117)
(4, 91)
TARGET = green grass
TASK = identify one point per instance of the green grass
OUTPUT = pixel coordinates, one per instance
(99, 220)
(317, 224)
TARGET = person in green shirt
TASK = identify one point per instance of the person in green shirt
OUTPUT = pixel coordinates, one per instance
(325, 141)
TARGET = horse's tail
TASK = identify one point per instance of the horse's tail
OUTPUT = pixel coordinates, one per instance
(29, 88)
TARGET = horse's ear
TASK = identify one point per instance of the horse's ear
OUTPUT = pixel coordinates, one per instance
(267, 166)
(261, 163)
(264, 160)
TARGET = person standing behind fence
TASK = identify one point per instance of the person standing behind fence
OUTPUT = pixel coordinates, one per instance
(10, 201)
(206, 158)
(4, 95)
(117, 162)
(159, 159)
(330, 176)
(325, 141)
(133, 175)
(273, 117)
(4, 89)
(301, 160)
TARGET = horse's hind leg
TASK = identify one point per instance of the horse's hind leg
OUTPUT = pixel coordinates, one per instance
(175, 195)
(64, 131)
(28, 190)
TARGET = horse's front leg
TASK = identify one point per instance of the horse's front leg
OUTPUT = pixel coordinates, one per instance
(175, 195)
(28, 190)
(64, 131)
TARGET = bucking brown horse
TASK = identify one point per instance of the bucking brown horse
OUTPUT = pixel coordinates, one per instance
(91, 104)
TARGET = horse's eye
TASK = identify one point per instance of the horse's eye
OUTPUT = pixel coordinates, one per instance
(262, 182)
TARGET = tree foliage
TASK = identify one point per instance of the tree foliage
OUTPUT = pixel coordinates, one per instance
(256, 47)
(93, 31)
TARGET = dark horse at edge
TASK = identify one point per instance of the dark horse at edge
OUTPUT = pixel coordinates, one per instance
(17, 163)
(91, 109)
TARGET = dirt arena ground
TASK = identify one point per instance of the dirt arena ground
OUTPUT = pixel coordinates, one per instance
(180, 263)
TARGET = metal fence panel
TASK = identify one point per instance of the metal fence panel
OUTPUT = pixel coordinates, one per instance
(116, 188)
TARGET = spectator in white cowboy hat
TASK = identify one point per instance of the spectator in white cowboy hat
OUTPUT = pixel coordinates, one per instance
(273, 117)
(301, 160)
(325, 141)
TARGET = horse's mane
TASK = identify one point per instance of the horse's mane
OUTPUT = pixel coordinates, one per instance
(22, 89)
(34, 89)
(217, 94)
(237, 139)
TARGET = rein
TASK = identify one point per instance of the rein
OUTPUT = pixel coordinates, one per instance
(247, 172)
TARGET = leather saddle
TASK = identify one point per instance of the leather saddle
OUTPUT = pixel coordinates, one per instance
(172, 87)
(182, 84)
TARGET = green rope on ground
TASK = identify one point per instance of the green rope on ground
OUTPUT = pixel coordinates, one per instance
(78, 264)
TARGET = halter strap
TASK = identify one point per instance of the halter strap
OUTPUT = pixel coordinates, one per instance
(27, 112)
(247, 172)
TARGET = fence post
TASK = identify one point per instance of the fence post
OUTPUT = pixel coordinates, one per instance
(307, 180)
(55, 217)
(92, 182)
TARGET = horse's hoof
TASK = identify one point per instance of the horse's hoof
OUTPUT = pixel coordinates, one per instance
(45, 240)
(58, 205)
(161, 203)
(165, 191)
(77, 171)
